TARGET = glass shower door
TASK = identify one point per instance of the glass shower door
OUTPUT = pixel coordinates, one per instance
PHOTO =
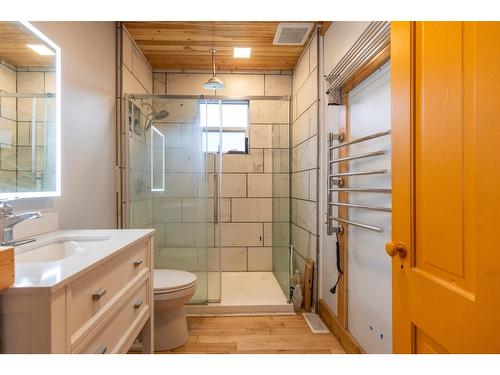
(170, 185)
(281, 198)
(210, 123)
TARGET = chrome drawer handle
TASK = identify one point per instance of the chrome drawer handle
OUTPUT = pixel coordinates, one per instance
(138, 262)
(138, 304)
(99, 294)
(101, 350)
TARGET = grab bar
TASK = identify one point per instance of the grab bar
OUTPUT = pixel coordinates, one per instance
(362, 139)
(361, 190)
(360, 225)
(367, 207)
(359, 156)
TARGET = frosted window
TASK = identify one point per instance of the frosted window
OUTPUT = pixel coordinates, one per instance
(233, 125)
(231, 142)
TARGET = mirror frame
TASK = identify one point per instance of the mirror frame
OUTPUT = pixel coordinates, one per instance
(57, 191)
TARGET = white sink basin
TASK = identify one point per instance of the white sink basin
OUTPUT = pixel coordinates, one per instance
(57, 249)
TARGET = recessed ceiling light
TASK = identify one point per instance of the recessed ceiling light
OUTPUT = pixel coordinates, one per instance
(242, 52)
(41, 49)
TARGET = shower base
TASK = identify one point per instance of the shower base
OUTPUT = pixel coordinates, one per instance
(246, 293)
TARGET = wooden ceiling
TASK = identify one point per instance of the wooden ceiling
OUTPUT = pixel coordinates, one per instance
(186, 45)
(14, 38)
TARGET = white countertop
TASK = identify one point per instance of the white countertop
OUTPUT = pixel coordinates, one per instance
(54, 274)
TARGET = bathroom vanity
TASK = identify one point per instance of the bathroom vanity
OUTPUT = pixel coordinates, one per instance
(80, 291)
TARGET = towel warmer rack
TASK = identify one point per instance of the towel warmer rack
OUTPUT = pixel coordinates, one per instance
(335, 182)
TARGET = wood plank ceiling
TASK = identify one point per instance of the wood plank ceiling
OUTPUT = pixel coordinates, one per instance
(186, 45)
(14, 38)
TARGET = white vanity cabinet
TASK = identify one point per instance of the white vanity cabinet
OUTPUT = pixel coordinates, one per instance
(99, 309)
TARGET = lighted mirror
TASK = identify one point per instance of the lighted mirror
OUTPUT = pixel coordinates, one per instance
(29, 112)
(157, 160)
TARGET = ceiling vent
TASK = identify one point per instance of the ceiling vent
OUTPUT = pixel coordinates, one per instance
(292, 33)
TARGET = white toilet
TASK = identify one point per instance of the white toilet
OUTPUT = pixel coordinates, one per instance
(173, 289)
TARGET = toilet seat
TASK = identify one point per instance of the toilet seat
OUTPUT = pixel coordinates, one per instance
(170, 281)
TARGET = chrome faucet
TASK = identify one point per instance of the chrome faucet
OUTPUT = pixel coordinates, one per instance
(8, 220)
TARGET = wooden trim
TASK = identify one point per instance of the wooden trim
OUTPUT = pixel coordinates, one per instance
(325, 25)
(362, 73)
(349, 343)
(402, 169)
(342, 213)
(6, 267)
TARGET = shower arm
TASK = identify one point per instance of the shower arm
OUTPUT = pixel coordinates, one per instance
(213, 62)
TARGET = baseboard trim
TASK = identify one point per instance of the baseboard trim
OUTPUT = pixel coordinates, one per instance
(349, 343)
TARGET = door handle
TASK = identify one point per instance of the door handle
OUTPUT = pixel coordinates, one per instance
(392, 249)
(216, 199)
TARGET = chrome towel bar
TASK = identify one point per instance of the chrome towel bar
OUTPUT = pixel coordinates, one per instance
(367, 207)
(346, 174)
(362, 190)
(338, 180)
(359, 156)
(370, 43)
(360, 225)
(361, 139)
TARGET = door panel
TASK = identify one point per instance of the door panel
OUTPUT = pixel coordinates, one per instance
(424, 344)
(440, 149)
(446, 184)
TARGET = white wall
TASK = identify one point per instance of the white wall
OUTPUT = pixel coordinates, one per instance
(88, 125)
(369, 278)
(369, 294)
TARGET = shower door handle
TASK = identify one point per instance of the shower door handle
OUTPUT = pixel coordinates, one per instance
(216, 199)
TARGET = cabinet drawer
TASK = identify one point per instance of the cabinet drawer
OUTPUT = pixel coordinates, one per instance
(112, 334)
(91, 293)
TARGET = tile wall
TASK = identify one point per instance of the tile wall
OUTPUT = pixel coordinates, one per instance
(19, 171)
(137, 78)
(305, 167)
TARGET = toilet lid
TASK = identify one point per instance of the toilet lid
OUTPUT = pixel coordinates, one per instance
(165, 280)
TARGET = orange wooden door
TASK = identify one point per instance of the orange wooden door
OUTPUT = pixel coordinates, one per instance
(446, 186)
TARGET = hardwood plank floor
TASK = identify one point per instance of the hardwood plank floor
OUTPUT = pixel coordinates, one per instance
(271, 334)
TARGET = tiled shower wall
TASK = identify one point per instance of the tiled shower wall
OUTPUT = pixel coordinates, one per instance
(305, 158)
(16, 115)
(137, 78)
(8, 127)
(247, 180)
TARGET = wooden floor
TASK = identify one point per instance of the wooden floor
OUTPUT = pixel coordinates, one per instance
(256, 335)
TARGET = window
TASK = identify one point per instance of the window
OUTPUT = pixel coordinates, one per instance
(233, 131)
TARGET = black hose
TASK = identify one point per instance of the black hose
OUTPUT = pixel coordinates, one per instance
(333, 290)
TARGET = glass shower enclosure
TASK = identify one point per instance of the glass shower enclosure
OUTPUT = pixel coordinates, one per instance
(175, 177)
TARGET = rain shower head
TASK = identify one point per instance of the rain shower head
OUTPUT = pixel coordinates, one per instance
(213, 83)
